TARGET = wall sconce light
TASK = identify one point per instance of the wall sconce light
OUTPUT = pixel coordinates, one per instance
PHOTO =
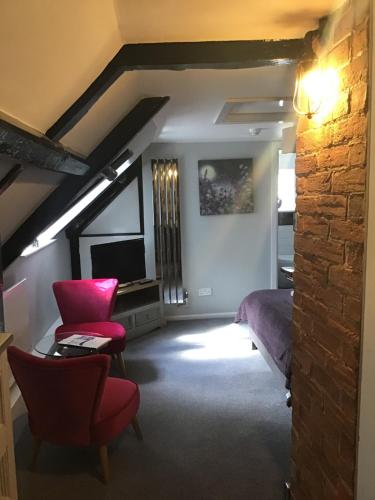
(316, 91)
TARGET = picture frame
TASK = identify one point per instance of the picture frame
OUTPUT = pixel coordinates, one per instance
(226, 186)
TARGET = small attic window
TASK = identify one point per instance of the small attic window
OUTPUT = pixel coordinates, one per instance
(47, 236)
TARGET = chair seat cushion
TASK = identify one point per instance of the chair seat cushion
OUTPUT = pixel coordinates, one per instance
(119, 405)
(110, 329)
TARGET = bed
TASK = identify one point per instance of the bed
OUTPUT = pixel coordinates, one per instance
(268, 314)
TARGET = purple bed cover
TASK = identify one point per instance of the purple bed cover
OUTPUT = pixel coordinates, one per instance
(269, 314)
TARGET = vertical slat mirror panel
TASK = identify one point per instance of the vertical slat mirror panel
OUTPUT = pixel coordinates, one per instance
(167, 229)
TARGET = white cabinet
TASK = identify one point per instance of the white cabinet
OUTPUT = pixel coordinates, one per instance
(139, 307)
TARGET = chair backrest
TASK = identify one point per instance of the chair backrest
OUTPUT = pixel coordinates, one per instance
(62, 396)
(85, 301)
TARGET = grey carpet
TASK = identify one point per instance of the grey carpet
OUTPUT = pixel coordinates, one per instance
(214, 420)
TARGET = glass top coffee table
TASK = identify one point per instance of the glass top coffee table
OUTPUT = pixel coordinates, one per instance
(50, 348)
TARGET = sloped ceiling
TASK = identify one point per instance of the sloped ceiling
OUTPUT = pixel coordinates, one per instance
(202, 20)
(51, 52)
(32, 186)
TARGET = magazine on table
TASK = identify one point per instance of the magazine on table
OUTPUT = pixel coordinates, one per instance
(85, 341)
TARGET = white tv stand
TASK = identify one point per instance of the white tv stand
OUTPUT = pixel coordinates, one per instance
(140, 308)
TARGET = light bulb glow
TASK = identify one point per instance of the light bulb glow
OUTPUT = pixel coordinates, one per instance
(316, 92)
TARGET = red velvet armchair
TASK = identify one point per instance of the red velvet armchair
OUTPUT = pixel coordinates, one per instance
(73, 401)
(86, 306)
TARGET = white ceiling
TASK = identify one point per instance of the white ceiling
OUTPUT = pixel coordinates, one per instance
(198, 97)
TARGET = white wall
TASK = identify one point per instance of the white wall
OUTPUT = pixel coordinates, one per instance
(229, 253)
(41, 269)
(122, 216)
(366, 446)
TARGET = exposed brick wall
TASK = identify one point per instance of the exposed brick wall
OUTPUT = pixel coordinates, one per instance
(329, 242)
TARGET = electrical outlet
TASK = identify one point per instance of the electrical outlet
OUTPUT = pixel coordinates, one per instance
(204, 291)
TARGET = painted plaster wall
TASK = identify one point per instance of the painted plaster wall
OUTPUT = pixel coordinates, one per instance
(233, 254)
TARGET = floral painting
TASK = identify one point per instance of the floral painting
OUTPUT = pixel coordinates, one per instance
(226, 186)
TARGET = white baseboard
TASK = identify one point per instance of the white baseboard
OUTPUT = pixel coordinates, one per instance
(183, 317)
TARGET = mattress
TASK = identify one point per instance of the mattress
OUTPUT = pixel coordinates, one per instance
(269, 314)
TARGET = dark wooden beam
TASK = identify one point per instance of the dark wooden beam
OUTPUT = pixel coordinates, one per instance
(75, 258)
(38, 151)
(179, 56)
(87, 216)
(10, 177)
(108, 151)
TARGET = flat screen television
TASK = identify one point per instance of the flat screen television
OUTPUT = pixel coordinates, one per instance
(124, 260)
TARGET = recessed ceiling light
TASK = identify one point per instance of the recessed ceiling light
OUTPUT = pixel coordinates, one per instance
(280, 122)
(281, 103)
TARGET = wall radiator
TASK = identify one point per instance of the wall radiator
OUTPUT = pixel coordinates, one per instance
(165, 177)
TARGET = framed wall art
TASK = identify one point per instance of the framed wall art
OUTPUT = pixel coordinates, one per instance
(226, 186)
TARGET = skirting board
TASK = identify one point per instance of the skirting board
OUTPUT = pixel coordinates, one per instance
(183, 317)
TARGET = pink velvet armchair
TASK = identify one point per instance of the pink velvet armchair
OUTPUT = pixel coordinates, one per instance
(73, 401)
(86, 306)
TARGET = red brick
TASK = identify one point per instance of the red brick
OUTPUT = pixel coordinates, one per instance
(324, 205)
(303, 359)
(346, 448)
(313, 139)
(351, 355)
(327, 383)
(340, 55)
(301, 280)
(342, 105)
(332, 251)
(359, 67)
(336, 156)
(313, 225)
(347, 230)
(354, 255)
(356, 208)
(318, 183)
(346, 279)
(329, 296)
(314, 267)
(358, 154)
(349, 181)
(358, 97)
(305, 164)
(328, 337)
(346, 129)
(353, 308)
(302, 320)
(315, 309)
(360, 41)
(356, 71)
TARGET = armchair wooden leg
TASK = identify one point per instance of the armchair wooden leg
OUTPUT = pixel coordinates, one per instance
(103, 452)
(137, 429)
(36, 448)
(121, 364)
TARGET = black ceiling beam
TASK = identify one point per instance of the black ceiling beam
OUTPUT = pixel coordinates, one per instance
(179, 56)
(38, 151)
(108, 151)
(10, 177)
(90, 213)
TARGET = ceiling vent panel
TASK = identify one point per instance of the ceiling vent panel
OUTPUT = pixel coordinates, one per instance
(257, 110)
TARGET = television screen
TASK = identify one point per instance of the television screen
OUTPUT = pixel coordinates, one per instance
(124, 260)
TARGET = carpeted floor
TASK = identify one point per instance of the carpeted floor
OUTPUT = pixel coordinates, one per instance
(214, 420)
